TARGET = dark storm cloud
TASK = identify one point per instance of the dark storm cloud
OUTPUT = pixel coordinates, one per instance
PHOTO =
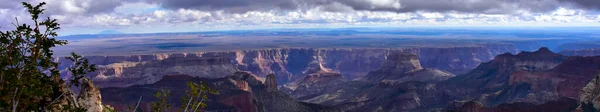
(467, 6)
(400, 6)
(229, 5)
(65, 7)
(586, 4)
(429, 5)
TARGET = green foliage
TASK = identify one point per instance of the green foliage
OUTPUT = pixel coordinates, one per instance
(80, 67)
(196, 94)
(161, 105)
(109, 109)
(29, 78)
(193, 101)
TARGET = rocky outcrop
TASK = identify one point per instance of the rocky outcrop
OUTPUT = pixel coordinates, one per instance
(255, 97)
(270, 81)
(406, 67)
(288, 64)
(590, 96)
(89, 97)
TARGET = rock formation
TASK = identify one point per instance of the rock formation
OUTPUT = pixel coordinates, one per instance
(271, 82)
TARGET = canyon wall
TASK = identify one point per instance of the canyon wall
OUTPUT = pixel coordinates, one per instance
(582, 52)
(288, 64)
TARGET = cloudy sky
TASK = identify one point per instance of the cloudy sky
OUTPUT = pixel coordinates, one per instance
(149, 16)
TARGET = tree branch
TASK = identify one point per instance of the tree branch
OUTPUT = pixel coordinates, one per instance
(138, 104)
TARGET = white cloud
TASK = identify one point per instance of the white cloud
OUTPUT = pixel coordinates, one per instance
(113, 14)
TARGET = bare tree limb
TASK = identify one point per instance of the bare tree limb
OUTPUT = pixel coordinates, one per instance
(138, 104)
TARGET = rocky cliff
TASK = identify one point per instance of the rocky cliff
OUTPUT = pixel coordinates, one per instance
(288, 64)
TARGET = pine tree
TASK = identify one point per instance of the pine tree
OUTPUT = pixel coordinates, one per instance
(29, 78)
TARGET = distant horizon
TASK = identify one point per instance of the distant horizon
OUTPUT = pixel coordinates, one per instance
(337, 28)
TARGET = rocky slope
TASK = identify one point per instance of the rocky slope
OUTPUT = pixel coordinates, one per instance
(238, 92)
(288, 64)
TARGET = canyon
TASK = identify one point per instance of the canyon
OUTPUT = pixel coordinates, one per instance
(485, 77)
(288, 64)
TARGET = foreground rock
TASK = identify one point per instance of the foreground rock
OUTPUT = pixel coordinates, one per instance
(590, 96)
(89, 97)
